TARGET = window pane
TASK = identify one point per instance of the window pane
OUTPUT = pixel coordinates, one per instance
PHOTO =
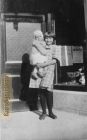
(20, 41)
(70, 70)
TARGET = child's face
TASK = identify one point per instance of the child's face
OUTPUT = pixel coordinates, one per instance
(49, 40)
(40, 37)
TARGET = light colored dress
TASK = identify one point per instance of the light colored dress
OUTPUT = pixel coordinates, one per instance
(47, 81)
(38, 56)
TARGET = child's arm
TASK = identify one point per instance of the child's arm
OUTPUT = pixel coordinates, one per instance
(40, 48)
(48, 63)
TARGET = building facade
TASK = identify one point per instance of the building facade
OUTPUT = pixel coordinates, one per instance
(67, 19)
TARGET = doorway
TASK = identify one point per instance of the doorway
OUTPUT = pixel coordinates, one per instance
(17, 40)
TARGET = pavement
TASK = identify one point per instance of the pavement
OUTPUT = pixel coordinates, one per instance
(25, 125)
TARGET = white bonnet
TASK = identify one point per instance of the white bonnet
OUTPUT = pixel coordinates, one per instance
(38, 33)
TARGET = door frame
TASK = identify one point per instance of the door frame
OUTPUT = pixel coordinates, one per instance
(15, 18)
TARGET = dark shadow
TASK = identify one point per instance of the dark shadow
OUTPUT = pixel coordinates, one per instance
(32, 99)
(19, 106)
(29, 95)
(37, 112)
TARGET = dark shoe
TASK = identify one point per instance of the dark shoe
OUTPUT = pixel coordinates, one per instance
(52, 116)
(42, 117)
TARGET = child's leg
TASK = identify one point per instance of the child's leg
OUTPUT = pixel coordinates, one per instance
(34, 73)
(35, 70)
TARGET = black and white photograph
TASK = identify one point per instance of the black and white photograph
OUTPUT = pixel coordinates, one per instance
(43, 69)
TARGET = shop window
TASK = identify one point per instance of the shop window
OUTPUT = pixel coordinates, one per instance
(70, 70)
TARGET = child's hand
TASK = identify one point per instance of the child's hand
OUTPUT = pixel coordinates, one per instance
(41, 74)
(38, 65)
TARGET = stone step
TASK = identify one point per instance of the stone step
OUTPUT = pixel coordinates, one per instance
(17, 105)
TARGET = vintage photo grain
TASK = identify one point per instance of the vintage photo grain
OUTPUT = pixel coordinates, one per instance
(43, 69)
